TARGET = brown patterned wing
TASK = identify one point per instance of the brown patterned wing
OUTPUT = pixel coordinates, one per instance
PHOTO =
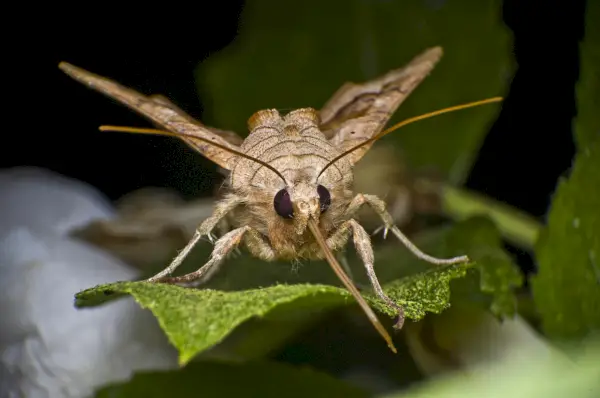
(357, 112)
(165, 114)
(230, 136)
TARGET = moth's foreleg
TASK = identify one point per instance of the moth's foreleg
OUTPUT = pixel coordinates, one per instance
(362, 243)
(223, 246)
(205, 229)
(337, 242)
(259, 246)
(341, 257)
(378, 205)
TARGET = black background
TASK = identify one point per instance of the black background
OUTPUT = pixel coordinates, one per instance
(529, 146)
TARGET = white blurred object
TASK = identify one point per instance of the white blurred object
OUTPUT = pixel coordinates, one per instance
(47, 347)
(46, 202)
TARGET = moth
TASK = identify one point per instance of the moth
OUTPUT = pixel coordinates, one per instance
(289, 185)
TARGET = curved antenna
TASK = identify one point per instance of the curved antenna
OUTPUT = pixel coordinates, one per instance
(409, 121)
(138, 130)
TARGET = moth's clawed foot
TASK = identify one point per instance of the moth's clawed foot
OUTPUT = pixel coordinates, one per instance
(384, 228)
(175, 280)
(456, 260)
(207, 234)
(168, 280)
(156, 280)
(212, 238)
(234, 253)
(464, 259)
(399, 322)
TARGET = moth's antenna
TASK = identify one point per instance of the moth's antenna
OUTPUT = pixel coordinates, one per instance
(409, 121)
(139, 130)
(314, 228)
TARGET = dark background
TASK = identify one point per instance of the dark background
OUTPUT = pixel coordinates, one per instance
(53, 120)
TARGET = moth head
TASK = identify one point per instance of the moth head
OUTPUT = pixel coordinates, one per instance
(301, 202)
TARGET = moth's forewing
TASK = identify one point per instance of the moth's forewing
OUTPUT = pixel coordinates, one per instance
(357, 112)
(161, 112)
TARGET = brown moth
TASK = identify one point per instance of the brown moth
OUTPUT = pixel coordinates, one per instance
(289, 189)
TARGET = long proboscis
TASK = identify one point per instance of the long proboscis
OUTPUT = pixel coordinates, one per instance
(139, 130)
(337, 268)
(409, 121)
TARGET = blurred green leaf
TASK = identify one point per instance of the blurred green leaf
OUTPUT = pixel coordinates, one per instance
(498, 274)
(533, 375)
(567, 287)
(251, 379)
(516, 226)
(196, 319)
(587, 123)
(288, 57)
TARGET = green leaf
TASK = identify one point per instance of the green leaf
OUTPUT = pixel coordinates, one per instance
(587, 123)
(197, 319)
(194, 319)
(425, 292)
(567, 287)
(251, 379)
(285, 59)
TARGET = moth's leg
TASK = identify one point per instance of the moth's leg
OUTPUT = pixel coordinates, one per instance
(263, 251)
(222, 208)
(378, 205)
(341, 257)
(343, 260)
(362, 243)
(223, 226)
(337, 242)
(204, 278)
(259, 246)
(223, 246)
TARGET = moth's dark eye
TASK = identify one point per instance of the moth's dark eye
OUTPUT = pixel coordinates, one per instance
(283, 204)
(324, 197)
